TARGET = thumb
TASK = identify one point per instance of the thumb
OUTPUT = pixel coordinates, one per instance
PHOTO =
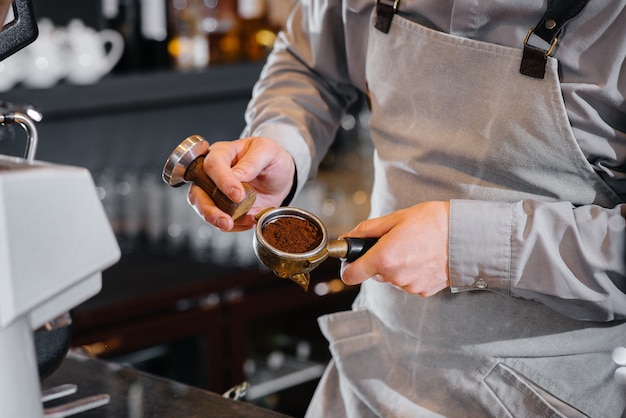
(256, 158)
(370, 228)
(360, 270)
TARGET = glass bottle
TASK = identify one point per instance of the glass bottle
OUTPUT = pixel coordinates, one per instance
(222, 27)
(257, 38)
(188, 45)
(143, 24)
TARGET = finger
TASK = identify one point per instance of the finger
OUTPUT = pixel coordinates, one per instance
(377, 278)
(218, 165)
(244, 223)
(205, 207)
(375, 227)
(358, 271)
(254, 159)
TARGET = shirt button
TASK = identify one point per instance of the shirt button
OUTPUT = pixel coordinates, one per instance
(480, 284)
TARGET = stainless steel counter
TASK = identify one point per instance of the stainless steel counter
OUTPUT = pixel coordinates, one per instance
(134, 394)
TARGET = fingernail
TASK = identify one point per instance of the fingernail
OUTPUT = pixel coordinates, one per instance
(222, 223)
(235, 194)
(378, 278)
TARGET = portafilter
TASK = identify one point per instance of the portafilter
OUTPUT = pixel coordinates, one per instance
(276, 255)
(185, 165)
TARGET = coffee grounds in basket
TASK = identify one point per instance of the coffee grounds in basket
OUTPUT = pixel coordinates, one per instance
(292, 234)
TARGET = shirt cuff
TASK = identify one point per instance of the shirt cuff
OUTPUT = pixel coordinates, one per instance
(480, 246)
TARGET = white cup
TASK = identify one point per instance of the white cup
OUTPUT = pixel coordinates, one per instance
(91, 54)
(45, 63)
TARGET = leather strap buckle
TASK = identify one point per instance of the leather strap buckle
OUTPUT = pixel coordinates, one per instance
(552, 45)
(558, 13)
(534, 59)
(384, 15)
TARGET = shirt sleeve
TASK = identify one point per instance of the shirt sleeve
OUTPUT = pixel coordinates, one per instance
(304, 90)
(571, 259)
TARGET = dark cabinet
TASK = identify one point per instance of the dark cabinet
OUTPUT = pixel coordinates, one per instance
(206, 327)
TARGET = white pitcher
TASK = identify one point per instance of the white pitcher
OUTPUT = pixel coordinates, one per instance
(44, 62)
(91, 54)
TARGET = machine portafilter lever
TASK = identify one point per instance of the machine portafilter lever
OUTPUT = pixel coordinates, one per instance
(25, 116)
(52, 341)
(185, 165)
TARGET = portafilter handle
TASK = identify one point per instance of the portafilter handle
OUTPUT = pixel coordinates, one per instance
(349, 249)
(357, 247)
(185, 165)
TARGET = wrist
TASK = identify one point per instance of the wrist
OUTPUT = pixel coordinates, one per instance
(292, 192)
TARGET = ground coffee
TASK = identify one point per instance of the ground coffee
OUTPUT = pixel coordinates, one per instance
(292, 234)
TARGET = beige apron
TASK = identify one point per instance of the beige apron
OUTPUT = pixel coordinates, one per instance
(453, 118)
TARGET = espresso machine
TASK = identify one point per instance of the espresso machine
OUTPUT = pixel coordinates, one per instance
(55, 240)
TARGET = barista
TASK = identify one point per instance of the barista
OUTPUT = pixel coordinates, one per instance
(497, 285)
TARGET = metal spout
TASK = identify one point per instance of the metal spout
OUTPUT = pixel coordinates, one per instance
(303, 279)
(24, 120)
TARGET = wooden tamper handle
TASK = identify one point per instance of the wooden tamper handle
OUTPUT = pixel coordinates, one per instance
(185, 165)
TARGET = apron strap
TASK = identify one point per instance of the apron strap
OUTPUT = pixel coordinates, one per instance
(384, 14)
(548, 29)
(534, 59)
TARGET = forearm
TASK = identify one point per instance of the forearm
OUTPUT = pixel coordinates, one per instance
(570, 259)
(303, 91)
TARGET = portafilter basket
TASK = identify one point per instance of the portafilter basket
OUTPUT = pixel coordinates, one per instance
(297, 266)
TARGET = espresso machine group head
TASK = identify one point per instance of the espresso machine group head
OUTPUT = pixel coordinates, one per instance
(55, 240)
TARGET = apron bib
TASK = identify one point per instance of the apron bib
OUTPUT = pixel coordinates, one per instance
(455, 119)
(452, 118)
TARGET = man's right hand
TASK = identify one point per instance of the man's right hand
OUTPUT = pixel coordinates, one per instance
(262, 163)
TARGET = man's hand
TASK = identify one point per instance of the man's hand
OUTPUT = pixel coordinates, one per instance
(411, 253)
(267, 167)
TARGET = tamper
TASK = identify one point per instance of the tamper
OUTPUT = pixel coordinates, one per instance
(185, 165)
